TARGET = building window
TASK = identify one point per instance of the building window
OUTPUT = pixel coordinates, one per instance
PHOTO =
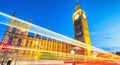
(10, 40)
(31, 44)
(19, 42)
(21, 33)
(13, 30)
(26, 44)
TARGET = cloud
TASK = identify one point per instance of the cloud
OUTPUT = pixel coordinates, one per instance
(107, 38)
(94, 33)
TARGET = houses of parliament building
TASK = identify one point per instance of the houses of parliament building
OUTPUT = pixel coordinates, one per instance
(21, 38)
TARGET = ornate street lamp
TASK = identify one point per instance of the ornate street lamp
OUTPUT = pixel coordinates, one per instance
(73, 52)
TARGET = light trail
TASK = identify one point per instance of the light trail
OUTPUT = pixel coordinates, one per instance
(62, 53)
(50, 34)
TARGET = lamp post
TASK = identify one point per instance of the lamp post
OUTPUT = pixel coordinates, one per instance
(73, 52)
(16, 58)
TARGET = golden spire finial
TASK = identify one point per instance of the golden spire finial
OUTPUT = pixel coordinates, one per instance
(14, 14)
(77, 5)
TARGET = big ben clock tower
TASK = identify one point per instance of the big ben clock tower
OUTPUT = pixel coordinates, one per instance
(81, 32)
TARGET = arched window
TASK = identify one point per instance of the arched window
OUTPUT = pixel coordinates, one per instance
(13, 30)
(22, 33)
(10, 40)
(26, 45)
(19, 42)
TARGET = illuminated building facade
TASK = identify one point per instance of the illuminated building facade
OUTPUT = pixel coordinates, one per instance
(20, 37)
(81, 32)
(15, 36)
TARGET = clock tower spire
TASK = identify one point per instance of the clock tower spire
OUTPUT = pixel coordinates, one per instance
(81, 32)
(77, 5)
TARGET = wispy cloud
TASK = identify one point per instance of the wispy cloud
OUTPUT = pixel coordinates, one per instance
(93, 33)
(112, 49)
(107, 38)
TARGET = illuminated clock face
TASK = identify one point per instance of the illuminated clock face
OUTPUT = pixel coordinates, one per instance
(77, 16)
(84, 15)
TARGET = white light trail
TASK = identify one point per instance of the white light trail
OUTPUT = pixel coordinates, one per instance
(68, 54)
(48, 33)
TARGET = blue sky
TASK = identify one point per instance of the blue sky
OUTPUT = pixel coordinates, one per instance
(103, 18)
